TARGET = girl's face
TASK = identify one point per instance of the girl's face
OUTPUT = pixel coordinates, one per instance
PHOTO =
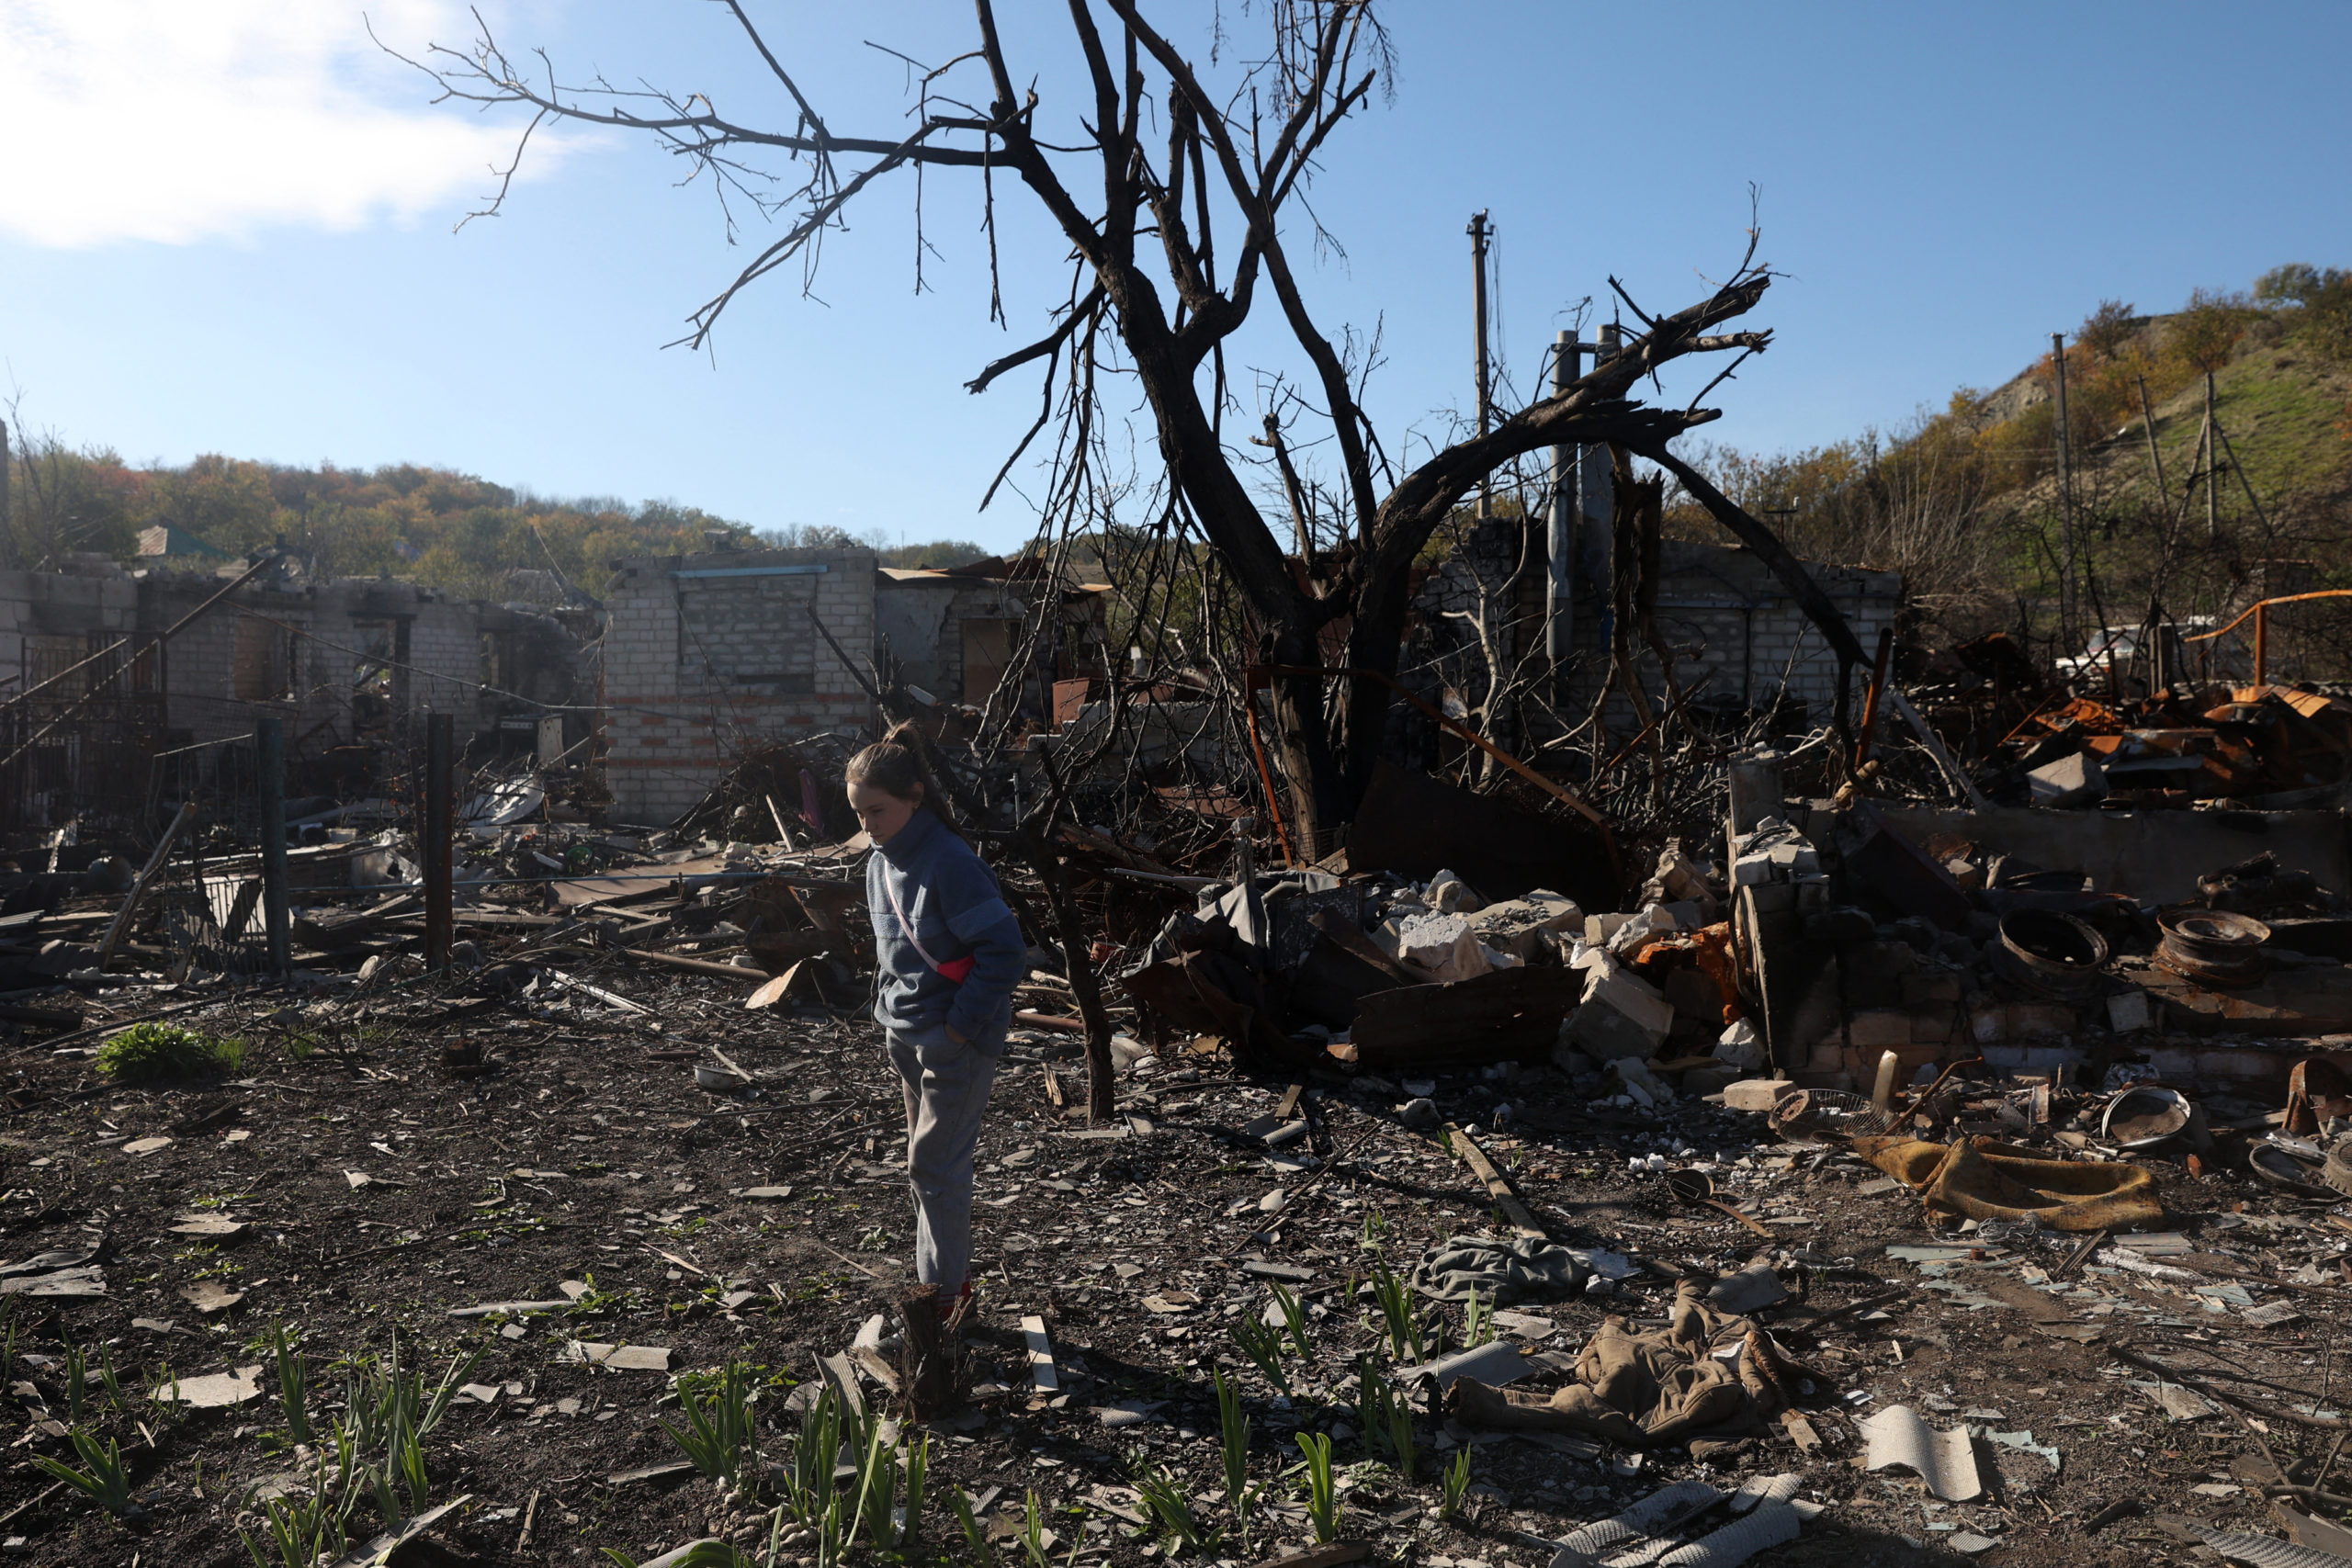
(882, 813)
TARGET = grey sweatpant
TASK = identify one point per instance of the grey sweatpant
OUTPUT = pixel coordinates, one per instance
(947, 1084)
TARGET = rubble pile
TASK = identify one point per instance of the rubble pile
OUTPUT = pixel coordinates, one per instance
(2059, 745)
(1873, 1183)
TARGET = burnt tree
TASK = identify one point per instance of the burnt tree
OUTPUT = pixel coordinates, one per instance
(1174, 239)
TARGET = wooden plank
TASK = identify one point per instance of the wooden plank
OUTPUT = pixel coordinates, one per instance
(1522, 1222)
(1800, 1430)
(775, 991)
(699, 966)
(1290, 1101)
(1041, 1355)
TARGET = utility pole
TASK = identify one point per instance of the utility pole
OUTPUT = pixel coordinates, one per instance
(2065, 501)
(7, 538)
(1560, 530)
(2212, 468)
(1478, 233)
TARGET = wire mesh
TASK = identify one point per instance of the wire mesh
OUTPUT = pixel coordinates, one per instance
(207, 900)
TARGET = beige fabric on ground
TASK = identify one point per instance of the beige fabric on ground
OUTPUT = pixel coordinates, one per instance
(1983, 1179)
(1650, 1390)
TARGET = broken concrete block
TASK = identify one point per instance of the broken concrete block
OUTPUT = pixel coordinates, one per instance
(2069, 781)
(1755, 789)
(1450, 895)
(1621, 1015)
(1752, 870)
(1599, 928)
(2129, 1011)
(1755, 1094)
(1653, 922)
(1518, 926)
(1560, 912)
(1739, 1045)
(1419, 1113)
(1793, 860)
(1442, 944)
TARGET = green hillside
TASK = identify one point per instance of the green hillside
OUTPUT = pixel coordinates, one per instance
(1965, 501)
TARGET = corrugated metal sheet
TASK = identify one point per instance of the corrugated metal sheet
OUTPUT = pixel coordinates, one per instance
(1945, 1461)
(1654, 1514)
(1765, 1489)
(2263, 1550)
(1772, 1523)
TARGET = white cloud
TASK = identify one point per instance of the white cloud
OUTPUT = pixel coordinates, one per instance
(182, 120)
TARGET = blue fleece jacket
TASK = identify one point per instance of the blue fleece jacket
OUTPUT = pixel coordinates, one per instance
(952, 901)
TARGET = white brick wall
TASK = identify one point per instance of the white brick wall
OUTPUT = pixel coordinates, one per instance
(682, 659)
(1728, 620)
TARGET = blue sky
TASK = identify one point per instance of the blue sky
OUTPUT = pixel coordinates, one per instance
(246, 245)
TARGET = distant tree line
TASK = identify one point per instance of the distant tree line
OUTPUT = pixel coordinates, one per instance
(447, 530)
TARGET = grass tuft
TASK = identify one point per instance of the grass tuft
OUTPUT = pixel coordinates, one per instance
(149, 1052)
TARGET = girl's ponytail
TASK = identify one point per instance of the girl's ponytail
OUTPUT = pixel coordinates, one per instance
(895, 765)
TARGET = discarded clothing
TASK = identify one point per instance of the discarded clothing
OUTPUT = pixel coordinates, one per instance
(1498, 1271)
(1652, 1390)
(1985, 1179)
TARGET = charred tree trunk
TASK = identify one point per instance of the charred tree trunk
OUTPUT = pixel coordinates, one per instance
(1085, 986)
(1035, 836)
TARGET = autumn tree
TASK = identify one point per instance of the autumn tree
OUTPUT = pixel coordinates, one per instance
(1174, 184)
(2207, 329)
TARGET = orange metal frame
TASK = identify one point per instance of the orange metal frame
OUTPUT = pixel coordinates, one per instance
(2260, 611)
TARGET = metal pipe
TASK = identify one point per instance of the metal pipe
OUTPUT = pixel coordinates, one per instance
(439, 820)
(1478, 233)
(269, 758)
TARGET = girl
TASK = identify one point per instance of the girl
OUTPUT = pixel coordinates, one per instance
(949, 954)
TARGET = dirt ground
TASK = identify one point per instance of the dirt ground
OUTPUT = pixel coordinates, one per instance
(585, 1153)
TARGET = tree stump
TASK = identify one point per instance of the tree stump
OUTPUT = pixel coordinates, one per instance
(927, 1363)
